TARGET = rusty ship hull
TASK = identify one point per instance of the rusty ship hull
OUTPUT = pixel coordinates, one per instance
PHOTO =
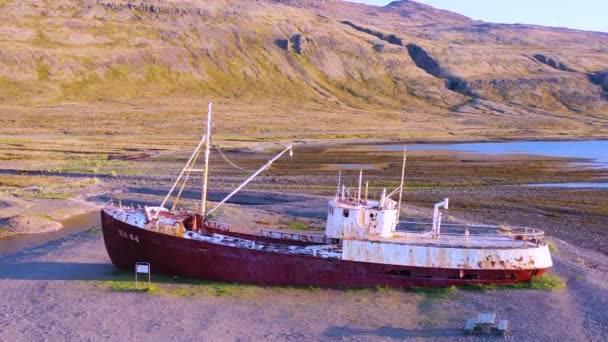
(176, 256)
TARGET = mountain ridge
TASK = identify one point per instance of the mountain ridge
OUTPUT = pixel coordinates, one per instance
(404, 57)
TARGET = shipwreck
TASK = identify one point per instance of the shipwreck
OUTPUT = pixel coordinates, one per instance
(364, 243)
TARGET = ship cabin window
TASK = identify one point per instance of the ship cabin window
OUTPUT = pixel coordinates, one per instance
(345, 213)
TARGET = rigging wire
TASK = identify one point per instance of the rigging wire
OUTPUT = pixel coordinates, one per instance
(217, 147)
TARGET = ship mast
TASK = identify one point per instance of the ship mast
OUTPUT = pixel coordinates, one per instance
(206, 170)
(206, 142)
(401, 186)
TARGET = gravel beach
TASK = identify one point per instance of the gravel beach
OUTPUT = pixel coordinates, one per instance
(66, 290)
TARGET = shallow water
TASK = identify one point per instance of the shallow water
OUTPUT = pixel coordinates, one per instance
(352, 166)
(596, 151)
(570, 185)
(74, 224)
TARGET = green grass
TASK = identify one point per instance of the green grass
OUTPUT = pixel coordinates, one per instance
(544, 282)
(441, 294)
(122, 281)
(552, 248)
(297, 225)
(16, 181)
(48, 195)
(129, 286)
(162, 285)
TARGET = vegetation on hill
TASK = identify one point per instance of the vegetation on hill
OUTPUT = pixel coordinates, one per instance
(403, 63)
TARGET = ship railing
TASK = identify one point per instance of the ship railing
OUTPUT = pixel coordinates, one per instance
(218, 225)
(296, 237)
(487, 232)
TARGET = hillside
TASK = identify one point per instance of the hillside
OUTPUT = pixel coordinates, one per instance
(315, 66)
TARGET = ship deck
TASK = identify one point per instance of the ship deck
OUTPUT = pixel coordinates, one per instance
(463, 235)
(409, 233)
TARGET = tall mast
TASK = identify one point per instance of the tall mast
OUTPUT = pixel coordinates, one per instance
(339, 182)
(401, 186)
(359, 189)
(206, 170)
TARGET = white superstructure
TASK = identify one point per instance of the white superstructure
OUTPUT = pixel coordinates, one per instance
(370, 232)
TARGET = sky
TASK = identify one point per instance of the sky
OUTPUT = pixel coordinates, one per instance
(580, 14)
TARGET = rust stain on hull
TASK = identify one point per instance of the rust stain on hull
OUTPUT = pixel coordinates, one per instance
(172, 255)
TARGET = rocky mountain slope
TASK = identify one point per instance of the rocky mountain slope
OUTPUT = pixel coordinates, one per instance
(402, 58)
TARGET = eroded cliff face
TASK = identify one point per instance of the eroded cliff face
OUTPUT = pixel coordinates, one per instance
(405, 56)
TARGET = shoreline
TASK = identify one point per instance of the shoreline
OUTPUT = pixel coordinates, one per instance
(252, 139)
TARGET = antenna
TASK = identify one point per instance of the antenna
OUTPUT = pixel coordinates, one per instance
(359, 189)
(206, 170)
(366, 188)
(401, 186)
(339, 180)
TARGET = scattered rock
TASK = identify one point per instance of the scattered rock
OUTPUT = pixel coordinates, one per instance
(93, 12)
(552, 62)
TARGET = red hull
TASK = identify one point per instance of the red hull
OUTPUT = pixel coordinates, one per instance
(171, 255)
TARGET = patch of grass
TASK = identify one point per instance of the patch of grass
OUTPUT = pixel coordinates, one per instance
(27, 181)
(85, 183)
(123, 282)
(48, 195)
(544, 282)
(441, 293)
(579, 277)
(129, 286)
(43, 71)
(552, 247)
(297, 225)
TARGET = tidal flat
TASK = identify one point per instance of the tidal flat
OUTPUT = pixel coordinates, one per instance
(67, 288)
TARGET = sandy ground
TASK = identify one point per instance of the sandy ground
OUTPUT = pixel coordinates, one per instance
(41, 211)
(62, 291)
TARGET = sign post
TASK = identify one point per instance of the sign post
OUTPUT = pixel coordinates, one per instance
(143, 268)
